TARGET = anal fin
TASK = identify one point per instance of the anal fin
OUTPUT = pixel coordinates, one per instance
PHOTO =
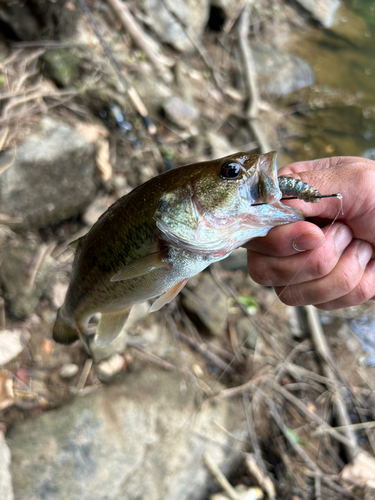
(168, 295)
(142, 266)
(110, 325)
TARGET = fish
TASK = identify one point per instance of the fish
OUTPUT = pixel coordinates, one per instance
(150, 242)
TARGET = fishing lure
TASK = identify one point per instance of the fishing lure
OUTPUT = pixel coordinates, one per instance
(298, 189)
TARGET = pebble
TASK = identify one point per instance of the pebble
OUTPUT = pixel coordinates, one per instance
(110, 367)
(68, 370)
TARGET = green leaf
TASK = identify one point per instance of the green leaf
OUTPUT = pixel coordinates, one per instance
(249, 302)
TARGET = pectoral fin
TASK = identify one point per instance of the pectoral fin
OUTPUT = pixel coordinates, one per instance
(168, 296)
(142, 266)
(110, 325)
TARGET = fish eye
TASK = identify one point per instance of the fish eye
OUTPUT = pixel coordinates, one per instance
(230, 170)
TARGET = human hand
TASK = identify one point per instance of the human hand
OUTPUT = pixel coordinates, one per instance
(324, 264)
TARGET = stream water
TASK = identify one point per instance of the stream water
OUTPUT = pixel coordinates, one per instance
(337, 115)
(338, 112)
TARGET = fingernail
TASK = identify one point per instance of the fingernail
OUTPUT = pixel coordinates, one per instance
(307, 241)
(343, 237)
(364, 253)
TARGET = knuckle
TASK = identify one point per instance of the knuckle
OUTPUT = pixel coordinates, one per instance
(323, 266)
(291, 295)
(347, 281)
(364, 291)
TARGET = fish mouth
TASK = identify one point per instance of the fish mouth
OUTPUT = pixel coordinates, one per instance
(268, 184)
(262, 190)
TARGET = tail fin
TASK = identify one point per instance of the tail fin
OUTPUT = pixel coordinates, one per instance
(63, 332)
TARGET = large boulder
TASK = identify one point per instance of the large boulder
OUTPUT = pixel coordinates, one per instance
(280, 73)
(173, 19)
(6, 489)
(49, 178)
(323, 11)
(25, 273)
(140, 439)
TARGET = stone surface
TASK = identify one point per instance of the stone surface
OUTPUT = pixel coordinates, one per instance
(25, 274)
(204, 298)
(60, 157)
(180, 112)
(141, 439)
(280, 73)
(171, 19)
(6, 488)
(323, 11)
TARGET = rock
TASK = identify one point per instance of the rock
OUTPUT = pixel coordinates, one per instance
(280, 73)
(69, 370)
(6, 489)
(228, 6)
(220, 145)
(62, 66)
(38, 19)
(180, 112)
(205, 299)
(110, 367)
(12, 342)
(171, 19)
(323, 11)
(51, 177)
(139, 439)
(247, 334)
(25, 274)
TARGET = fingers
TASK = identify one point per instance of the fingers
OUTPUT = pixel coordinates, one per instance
(290, 239)
(296, 267)
(351, 279)
(361, 293)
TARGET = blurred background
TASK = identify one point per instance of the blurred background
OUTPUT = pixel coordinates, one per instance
(225, 375)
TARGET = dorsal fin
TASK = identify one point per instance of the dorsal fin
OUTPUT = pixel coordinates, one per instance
(74, 244)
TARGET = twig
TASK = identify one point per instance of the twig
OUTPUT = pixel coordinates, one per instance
(154, 359)
(256, 324)
(198, 45)
(221, 479)
(251, 78)
(252, 433)
(230, 22)
(264, 481)
(358, 427)
(297, 448)
(205, 352)
(322, 349)
(84, 375)
(302, 407)
(140, 38)
(43, 253)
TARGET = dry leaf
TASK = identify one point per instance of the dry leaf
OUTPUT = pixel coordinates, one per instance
(12, 343)
(361, 471)
(6, 391)
(92, 132)
(103, 160)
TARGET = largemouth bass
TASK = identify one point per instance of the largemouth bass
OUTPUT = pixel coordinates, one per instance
(151, 241)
